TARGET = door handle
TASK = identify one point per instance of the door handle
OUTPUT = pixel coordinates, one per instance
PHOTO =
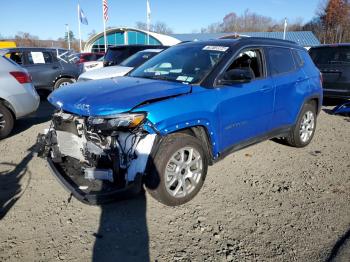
(55, 67)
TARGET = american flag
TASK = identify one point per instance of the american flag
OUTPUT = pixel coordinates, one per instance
(105, 9)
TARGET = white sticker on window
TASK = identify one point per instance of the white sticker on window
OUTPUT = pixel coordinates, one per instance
(184, 78)
(216, 48)
(38, 57)
(181, 78)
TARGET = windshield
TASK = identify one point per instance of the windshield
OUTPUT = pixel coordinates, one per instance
(183, 63)
(331, 55)
(138, 59)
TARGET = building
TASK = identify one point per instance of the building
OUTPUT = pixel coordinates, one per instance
(304, 38)
(128, 36)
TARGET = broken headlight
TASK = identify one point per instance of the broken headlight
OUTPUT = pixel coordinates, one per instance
(128, 120)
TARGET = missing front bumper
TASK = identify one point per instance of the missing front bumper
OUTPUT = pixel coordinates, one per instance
(130, 190)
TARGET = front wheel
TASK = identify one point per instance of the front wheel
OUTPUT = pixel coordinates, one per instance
(304, 130)
(178, 170)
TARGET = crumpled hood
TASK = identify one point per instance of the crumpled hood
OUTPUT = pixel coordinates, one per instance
(106, 72)
(113, 96)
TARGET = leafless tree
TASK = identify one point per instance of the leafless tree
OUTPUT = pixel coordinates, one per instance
(158, 27)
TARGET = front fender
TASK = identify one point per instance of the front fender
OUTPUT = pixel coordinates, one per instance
(186, 111)
(213, 138)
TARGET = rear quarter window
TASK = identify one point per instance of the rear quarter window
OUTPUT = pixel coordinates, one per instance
(298, 57)
(16, 57)
(281, 60)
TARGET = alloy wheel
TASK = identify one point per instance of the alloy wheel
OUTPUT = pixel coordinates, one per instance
(307, 126)
(2, 121)
(64, 84)
(183, 172)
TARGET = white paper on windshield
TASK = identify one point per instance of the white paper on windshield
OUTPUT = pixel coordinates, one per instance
(184, 78)
(38, 57)
(181, 78)
(216, 48)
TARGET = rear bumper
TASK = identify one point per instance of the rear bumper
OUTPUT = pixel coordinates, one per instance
(95, 199)
(24, 103)
(336, 93)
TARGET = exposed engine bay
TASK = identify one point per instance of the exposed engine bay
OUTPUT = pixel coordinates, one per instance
(97, 154)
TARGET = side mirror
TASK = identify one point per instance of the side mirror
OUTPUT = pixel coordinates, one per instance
(238, 75)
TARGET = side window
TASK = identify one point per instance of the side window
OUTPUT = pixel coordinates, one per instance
(17, 57)
(298, 58)
(40, 58)
(249, 59)
(281, 60)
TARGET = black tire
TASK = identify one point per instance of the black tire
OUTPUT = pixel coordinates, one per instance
(155, 180)
(295, 139)
(63, 81)
(6, 121)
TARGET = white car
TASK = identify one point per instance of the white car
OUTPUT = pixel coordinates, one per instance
(123, 68)
(18, 97)
(92, 65)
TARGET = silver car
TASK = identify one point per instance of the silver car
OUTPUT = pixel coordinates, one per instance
(18, 97)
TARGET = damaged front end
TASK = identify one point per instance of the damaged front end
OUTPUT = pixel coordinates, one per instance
(98, 159)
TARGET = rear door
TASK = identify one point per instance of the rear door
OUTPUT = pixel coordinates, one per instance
(334, 64)
(290, 83)
(43, 67)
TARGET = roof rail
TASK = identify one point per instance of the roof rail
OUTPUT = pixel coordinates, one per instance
(250, 38)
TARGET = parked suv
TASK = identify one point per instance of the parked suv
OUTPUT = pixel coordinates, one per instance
(18, 97)
(117, 54)
(50, 68)
(334, 63)
(123, 68)
(182, 110)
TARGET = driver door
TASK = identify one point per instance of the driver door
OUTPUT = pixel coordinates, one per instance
(246, 108)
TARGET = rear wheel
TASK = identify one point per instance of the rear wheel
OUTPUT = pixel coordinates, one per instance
(304, 130)
(178, 170)
(63, 82)
(6, 121)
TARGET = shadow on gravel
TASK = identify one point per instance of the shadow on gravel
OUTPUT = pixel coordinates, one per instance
(10, 188)
(343, 241)
(123, 233)
(43, 114)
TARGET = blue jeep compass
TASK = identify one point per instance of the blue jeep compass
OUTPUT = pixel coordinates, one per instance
(182, 110)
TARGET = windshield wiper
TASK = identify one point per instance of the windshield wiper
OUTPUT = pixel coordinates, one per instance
(159, 77)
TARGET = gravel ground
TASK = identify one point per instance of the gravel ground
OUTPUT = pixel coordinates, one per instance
(268, 202)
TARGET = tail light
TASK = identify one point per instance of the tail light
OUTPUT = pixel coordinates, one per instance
(22, 77)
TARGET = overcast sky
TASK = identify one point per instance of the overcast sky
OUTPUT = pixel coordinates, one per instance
(47, 18)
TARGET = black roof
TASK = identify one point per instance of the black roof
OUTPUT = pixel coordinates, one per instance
(35, 48)
(247, 41)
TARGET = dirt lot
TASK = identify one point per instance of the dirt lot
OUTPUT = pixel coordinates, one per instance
(269, 202)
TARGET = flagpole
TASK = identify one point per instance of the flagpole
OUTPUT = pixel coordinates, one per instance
(104, 27)
(79, 27)
(285, 29)
(68, 35)
(148, 19)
